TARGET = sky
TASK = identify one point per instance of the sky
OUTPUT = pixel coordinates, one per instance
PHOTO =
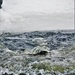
(33, 15)
(49, 6)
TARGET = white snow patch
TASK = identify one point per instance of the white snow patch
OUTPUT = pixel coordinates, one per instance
(55, 53)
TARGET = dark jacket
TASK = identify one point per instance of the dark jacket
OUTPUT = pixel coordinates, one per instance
(1, 1)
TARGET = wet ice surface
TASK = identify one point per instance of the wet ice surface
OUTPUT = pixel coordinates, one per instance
(24, 53)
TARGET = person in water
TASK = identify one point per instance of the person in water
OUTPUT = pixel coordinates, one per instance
(1, 1)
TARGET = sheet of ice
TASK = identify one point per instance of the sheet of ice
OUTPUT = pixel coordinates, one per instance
(31, 15)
